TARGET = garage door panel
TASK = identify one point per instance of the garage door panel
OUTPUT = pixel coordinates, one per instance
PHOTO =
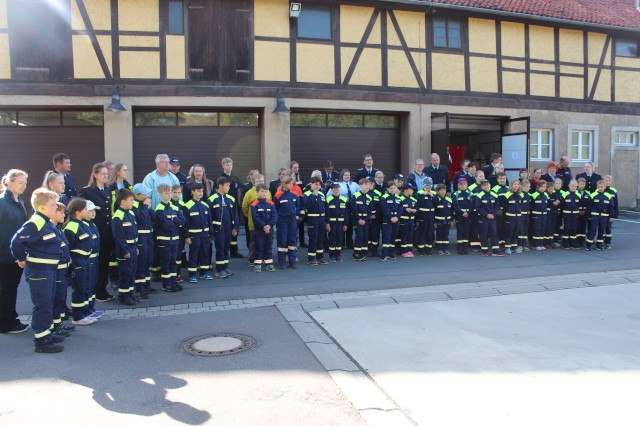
(311, 147)
(206, 146)
(32, 150)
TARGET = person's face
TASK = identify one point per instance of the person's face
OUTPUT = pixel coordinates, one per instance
(175, 194)
(101, 176)
(542, 188)
(502, 180)
(19, 185)
(486, 186)
(282, 174)
(537, 174)
(380, 178)
(607, 181)
(435, 160)
(557, 184)
(368, 162)
(57, 185)
(175, 168)
(227, 167)
(163, 165)
(479, 177)
(90, 214)
(398, 182)
(123, 173)
(409, 192)
(602, 187)
(165, 196)
(198, 173)
(573, 187)
(419, 167)
(564, 163)
(498, 160)
(442, 192)
(588, 169)
(471, 170)
(498, 168)
(224, 189)
(526, 187)
(127, 203)
(465, 166)
(262, 194)
(516, 186)
(523, 174)
(328, 169)
(336, 191)
(364, 188)
(141, 197)
(582, 185)
(196, 194)
(65, 166)
(346, 177)
(49, 210)
(552, 170)
(59, 217)
(392, 189)
(295, 168)
(287, 186)
(462, 186)
(315, 186)
(258, 181)
(550, 188)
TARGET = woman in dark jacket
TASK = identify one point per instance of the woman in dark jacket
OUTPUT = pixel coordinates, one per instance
(118, 180)
(98, 192)
(13, 212)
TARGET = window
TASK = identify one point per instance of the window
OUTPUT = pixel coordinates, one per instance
(176, 19)
(315, 22)
(51, 118)
(540, 144)
(627, 47)
(371, 121)
(446, 33)
(626, 138)
(196, 119)
(582, 145)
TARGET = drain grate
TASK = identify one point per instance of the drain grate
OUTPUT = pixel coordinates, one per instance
(217, 344)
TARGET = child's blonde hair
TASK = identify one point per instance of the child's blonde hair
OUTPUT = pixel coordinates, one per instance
(41, 197)
(163, 187)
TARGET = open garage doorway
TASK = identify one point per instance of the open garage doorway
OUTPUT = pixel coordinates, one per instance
(456, 137)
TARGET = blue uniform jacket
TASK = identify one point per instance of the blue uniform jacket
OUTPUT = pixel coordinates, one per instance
(510, 204)
(78, 234)
(360, 207)
(125, 232)
(462, 203)
(287, 204)
(539, 201)
(391, 207)
(313, 205)
(426, 205)
(145, 217)
(601, 205)
(408, 203)
(38, 242)
(336, 209)
(168, 220)
(223, 212)
(263, 212)
(486, 203)
(198, 218)
(95, 239)
(443, 209)
(571, 202)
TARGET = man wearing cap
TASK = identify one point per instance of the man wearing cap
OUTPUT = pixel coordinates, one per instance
(437, 172)
(416, 177)
(174, 165)
(367, 170)
(160, 175)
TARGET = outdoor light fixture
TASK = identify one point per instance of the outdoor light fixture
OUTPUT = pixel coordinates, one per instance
(115, 105)
(280, 106)
(294, 10)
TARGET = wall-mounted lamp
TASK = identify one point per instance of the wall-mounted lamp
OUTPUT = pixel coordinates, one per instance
(115, 105)
(294, 10)
(280, 106)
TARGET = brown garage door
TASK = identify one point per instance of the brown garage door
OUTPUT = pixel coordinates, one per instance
(344, 138)
(29, 139)
(197, 137)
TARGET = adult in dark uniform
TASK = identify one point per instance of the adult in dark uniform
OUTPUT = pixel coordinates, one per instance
(62, 165)
(552, 172)
(234, 191)
(367, 171)
(590, 176)
(174, 164)
(496, 158)
(98, 192)
(275, 184)
(438, 173)
(564, 172)
(463, 174)
(329, 176)
(13, 212)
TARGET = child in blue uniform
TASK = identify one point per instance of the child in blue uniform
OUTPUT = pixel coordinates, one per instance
(125, 234)
(360, 209)
(336, 222)
(265, 216)
(487, 208)
(225, 222)
(287, 205)
(615, 210)
(60, 292)
(37, 247)
(144, 218)
(167, 232)
(313, 212)
(600, 212)
(553, 208)
(511, 209)
(585, 200)
(176, 200)
(407, 220)
(391, 212)
(426, 212)
(570, 213)
(539, 213)
(462, 206)
(374, 219)
(443, 206)
(526, 214)
(197, 226)
(93, 261)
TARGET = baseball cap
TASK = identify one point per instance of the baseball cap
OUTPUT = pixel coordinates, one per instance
(92, 206)
(484, 181)
(139, 188)
(408, 186)
(462, 180)
(427, 181)
(371, 179)
(175, 161)
(399, 176)
(335, 185)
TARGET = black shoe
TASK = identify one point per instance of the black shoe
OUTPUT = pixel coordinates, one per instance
(128, 301)
(62, 332)
(237, 255)
(143, 295)
(322, 262)
(150, 290)
(292, 266)
(135, 296)
(169, 288)
(104, 297)
(57, 339)
(304, 245)
(49, 348)
(68, 326)
(281, 266)
(178, 287)
(15, 328)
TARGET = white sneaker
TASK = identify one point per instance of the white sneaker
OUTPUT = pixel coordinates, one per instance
(84, 321)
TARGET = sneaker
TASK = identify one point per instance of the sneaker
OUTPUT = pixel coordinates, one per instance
(237, 255)
(179, 279)
(406, 255)
(169, 288)
(229, 272)
(556, 245)
(97, 314)
(526, 248)
(257, 268)
(599, 248)
(440, 253)
(105, 297)
(251, 263)
(281, 266)
(333, 260)
(292, 266)
(339, 259)
(194, 280)
(607, 247)
(16, 328)
(83, 321)
(56, 338)
(312, 263)
(270, 268)
(384, 258)
(127, 301)
(62, 332)
(206, 276)
(507, 251)
(588, 249)
(68, 326)
(392, 257)
(221, 274)
(498, 254)
(321, 261)
(485, 254)
(446, 253)
(151, 290)
(48, 348)
(518, 251)
(178, 287)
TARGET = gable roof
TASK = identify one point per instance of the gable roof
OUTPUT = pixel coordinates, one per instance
(615, 13)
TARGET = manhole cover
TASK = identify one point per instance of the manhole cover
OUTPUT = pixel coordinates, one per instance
(218, 344)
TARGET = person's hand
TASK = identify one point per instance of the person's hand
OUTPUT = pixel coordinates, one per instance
(361, 222)
(327, 227)
(465, 214)
(435, 225)
(266, 229)
(234, 232)
(300, 219)
(590, 219)
(610, 220)
(137, 252)
(500, 213)
(581, 213)
(490, 216)
(344, 228)
(147, 202)
(127, 256)
(373, 217)
(21, 263)
(187, 241)
(394, 219)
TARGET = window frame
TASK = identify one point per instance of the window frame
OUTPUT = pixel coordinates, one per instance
(634, 130)
(316, 6)
(594, 130)
(169, 32)
(461, 30)
(539, 144)
(621, 39)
